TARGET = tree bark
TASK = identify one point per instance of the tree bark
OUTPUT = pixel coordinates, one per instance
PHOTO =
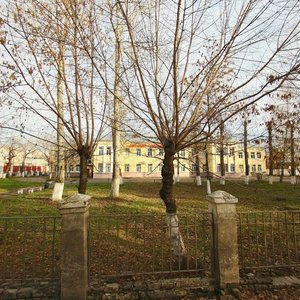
(198, 174)
(83, 177)
(246, 152)
(166, 194)
(222, 163)
(270, 144)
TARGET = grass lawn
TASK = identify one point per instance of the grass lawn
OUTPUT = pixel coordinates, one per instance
(143, 197)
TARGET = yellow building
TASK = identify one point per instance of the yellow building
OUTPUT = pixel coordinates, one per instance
(138, 159)
(235, 161)
(144, 160)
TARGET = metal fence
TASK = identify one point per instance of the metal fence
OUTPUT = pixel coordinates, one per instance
(29, 247)
(140, 244)
(269, 239)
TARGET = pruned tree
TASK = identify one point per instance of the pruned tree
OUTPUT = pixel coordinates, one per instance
(51, 48)
(166, 41)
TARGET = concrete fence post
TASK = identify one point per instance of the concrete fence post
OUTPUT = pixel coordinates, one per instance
(225, 264)
(74, 249)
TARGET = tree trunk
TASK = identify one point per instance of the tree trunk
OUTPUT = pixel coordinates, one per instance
(198, 174)
(60, 175)
(83, 175)
(270, 144)
(115, 185)
(246, 152)
(208, 187)
(222, 163)
(292, 152)
(166, 194)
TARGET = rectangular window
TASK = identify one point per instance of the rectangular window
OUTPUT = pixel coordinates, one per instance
(161, 152)
(108, 150)
(127, 152)
(231, 151)
(182, 153)
(183, 168)
(101, 151)
(240, 154)
(258, 155)
(253, 168)
(100, 168)
(150, 167)
(107, 168)
(150, 152)
(232, 168)
(226, 168)
(252, 155)
(139, 168)
(219, 168)
(225, 151)
(194, 167)
(127, 168)
(138, 152)
(77, 169)
(259, 168)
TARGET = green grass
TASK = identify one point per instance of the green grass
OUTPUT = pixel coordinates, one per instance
(143, 197)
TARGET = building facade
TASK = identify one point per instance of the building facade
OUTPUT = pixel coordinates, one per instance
(144, 160)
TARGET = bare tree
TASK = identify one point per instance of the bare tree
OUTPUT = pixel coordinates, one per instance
(47, 46)
(159, 73)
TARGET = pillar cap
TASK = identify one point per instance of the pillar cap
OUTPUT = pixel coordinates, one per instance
(75, 201)
(221, 197)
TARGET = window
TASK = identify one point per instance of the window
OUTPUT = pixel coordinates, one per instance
(226, 168)
(150, 168)
(258, 155)
(219, 168)
(100, 168)
(259, 169)
(194, 167)
(71, 168)
(150, 152)
(108, 150)
(231, 153)
(232, 168)
(182, 153)
(139, 168)
(101, 151)
(240, 154)
(138, 152)
(161, 152)
(77, 169)
(253, 168)
(183, 168)
(127, 168)
(225, 151)
(252, 155)
(127, 152)
(107, 168)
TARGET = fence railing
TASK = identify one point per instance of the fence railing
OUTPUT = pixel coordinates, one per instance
(140, 244)
(269, 239)
(29, 247)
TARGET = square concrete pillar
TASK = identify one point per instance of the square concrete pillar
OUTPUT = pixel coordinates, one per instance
(74, 247)
(225, 265)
